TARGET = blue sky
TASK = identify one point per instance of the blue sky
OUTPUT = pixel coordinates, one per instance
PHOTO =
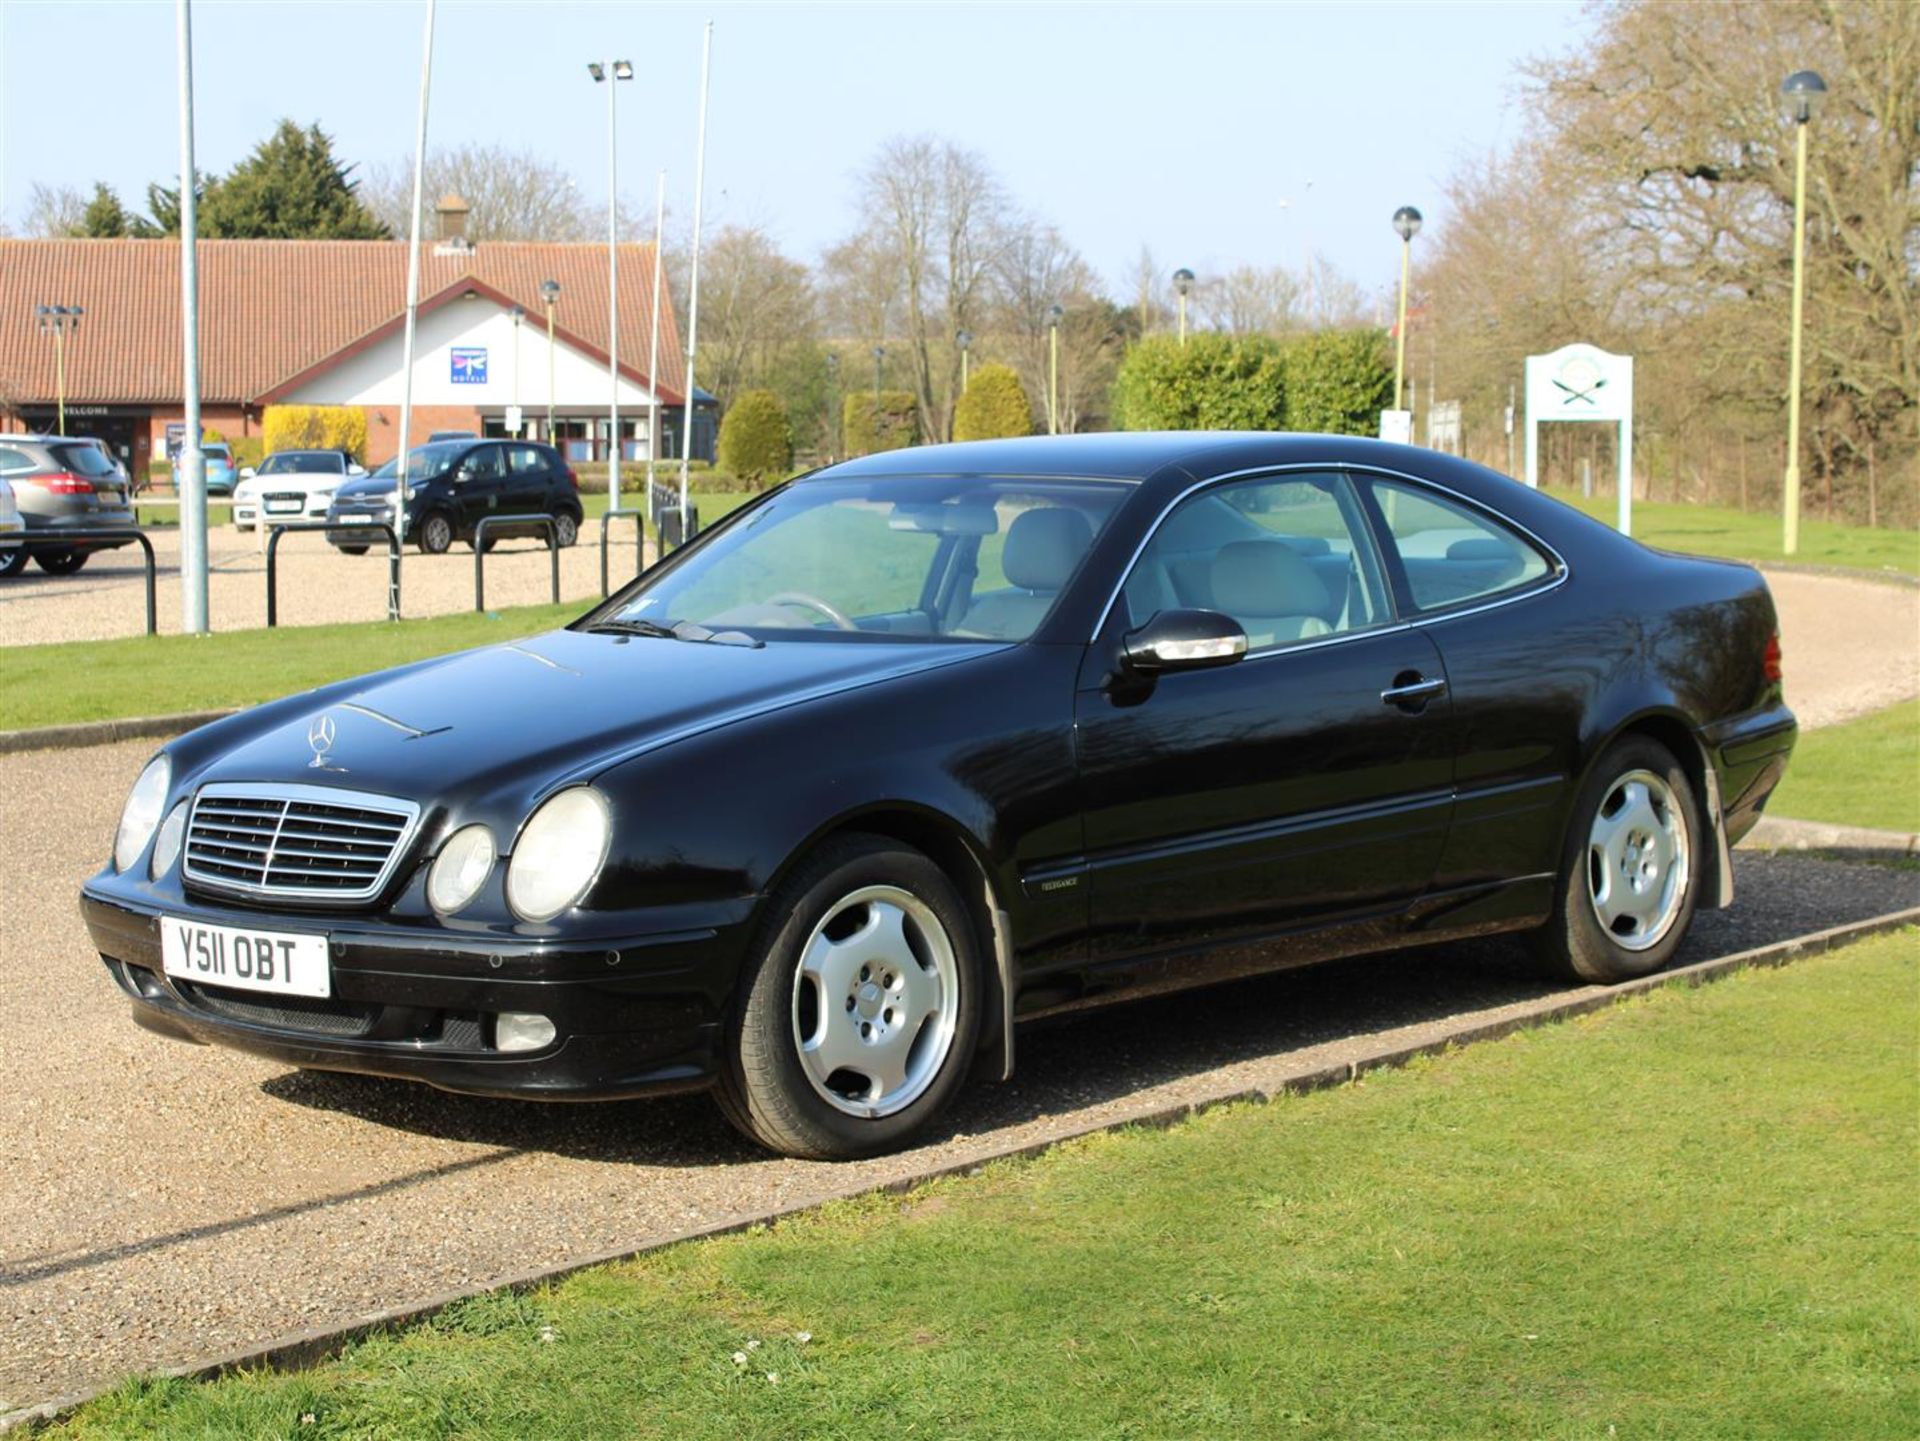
(1182, 127)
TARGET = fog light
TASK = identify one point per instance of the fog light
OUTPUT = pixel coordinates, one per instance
(521, 1031)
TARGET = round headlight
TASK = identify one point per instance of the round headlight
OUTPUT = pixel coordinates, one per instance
(558, 854)
(166, 845)
(461, 868)
(142, 812)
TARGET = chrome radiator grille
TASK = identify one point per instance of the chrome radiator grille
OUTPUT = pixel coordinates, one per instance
(311, 843)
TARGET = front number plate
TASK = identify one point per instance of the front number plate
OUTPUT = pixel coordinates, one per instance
(272, 961)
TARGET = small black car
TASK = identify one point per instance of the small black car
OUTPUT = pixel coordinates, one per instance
(452, 485)
(932, 742)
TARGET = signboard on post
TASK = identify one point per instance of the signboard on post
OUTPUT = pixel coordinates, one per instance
(1397, 426)
(1583, 383)
(515, 420)
(1443, 426)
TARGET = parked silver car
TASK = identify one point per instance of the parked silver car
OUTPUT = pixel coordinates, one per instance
(68, 490)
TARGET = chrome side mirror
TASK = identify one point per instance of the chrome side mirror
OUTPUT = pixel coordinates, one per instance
(1184, 640)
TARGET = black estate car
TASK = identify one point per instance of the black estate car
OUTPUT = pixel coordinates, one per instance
(452, 485)
(929, 743)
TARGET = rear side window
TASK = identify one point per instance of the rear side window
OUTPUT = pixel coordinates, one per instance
(526, 460)
(11, 459)
(1450, 553)
(81, 460)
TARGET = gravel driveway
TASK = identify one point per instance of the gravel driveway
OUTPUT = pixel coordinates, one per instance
(165, 1203)
(317, 584)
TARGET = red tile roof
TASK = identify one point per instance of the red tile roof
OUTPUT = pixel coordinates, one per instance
(270, 309)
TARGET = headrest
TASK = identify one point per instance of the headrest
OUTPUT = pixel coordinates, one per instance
(1480, 548)
(1264, 577)
(1307, 544)
(1044, 546)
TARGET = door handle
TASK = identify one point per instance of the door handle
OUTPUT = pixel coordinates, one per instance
(1412, 689)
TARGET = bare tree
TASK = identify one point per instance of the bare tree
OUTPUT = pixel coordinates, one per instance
(1251, 300)
(515, 195)
(1037, 270)
(755, 304)
(53, 211)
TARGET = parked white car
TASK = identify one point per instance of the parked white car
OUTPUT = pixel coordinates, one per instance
(11, 526)
(291, 485)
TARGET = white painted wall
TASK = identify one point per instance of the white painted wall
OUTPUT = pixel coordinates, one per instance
(373, 376)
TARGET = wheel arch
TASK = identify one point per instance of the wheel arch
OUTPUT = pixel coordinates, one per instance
(1675, 730)
(952, 847)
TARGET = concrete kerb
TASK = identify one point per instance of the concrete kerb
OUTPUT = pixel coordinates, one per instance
(309, 1348)
(106, 732)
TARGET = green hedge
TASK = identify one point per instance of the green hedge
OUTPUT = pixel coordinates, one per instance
(894, 424)
(756, 439)
(993, 406)
(1336, 381)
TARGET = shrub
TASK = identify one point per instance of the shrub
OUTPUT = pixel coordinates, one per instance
(316, 427)
(756, 439)
(994, 405)
(1213, 382)
(893, 425)
(1338, 381)
(249, 450)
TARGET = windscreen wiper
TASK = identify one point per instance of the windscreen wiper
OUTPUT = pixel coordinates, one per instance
(678, 630)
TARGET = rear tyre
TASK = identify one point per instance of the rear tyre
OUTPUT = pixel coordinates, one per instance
(860, 1005)
(12, 561)
(61, 562)
(1629, 869)
(436, 534)
(351, 549)
(566, 529)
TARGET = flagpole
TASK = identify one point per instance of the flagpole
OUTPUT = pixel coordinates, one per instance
(413, 284)
(653, 350)
(693, 292)
(191, 483)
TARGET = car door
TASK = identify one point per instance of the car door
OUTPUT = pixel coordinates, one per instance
(527, 481)
(1310, 781)
(479, 485)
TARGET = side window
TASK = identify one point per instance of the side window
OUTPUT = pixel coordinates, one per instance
(1451, 553)
(11, 459)
(1287, 557)
(526, 460)
(486, 463)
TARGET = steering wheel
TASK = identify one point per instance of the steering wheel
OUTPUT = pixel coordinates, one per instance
(812, 602)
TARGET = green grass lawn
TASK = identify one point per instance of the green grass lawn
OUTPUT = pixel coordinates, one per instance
(1679, 1218)
(1721, 530)
(1863, 772)
(42, 685)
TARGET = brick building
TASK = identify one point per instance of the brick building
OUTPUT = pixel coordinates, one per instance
(321, 322)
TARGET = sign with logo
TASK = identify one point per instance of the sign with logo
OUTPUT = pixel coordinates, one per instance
(176, 438)
(1397, 426)
(469, 365)
(1584, 383)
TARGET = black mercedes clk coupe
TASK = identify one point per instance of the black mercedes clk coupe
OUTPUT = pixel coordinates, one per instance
(918, 747)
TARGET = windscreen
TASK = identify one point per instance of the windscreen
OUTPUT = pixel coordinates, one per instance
(310, 462)
(425, 459)
(81, 460)
(922, 558)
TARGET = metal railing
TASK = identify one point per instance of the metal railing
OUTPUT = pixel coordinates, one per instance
(667, 520)
(480, 551)
(639, 543)
(280, 528)
(41, 540)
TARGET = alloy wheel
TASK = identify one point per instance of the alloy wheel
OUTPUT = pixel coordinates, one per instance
(876, 998)
(1638, 861)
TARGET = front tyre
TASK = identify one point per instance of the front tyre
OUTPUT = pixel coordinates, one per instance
(1629, 870)
(861, 1006)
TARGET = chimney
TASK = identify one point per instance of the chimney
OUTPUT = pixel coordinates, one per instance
(450, 213)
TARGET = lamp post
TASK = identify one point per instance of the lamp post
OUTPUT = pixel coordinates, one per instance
(57, 321)
(1802, 90)
(1406, 224)
(609, 74)
(550, 294)
(1054, 316)
(519, 416)
(833, 391)
(1183, 287)
(965, 341)
(879, 359)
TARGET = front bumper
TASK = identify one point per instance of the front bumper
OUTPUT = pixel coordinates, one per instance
(633, 1017)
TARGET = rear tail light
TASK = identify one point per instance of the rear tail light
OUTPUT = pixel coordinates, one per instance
(1770, 659)
(573, 477)
(64, 483)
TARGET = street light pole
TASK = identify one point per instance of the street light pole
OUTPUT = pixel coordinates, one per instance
(1182, 285)
(1803, 90)
(653, 346)
(1406, 223)
(833, 390)
(610, 74)
(550, 293)
(57, 320)
(1054, 314)
(693, 282)
(519, 415)
(965, 341)
(190, 483)
(413, 284)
